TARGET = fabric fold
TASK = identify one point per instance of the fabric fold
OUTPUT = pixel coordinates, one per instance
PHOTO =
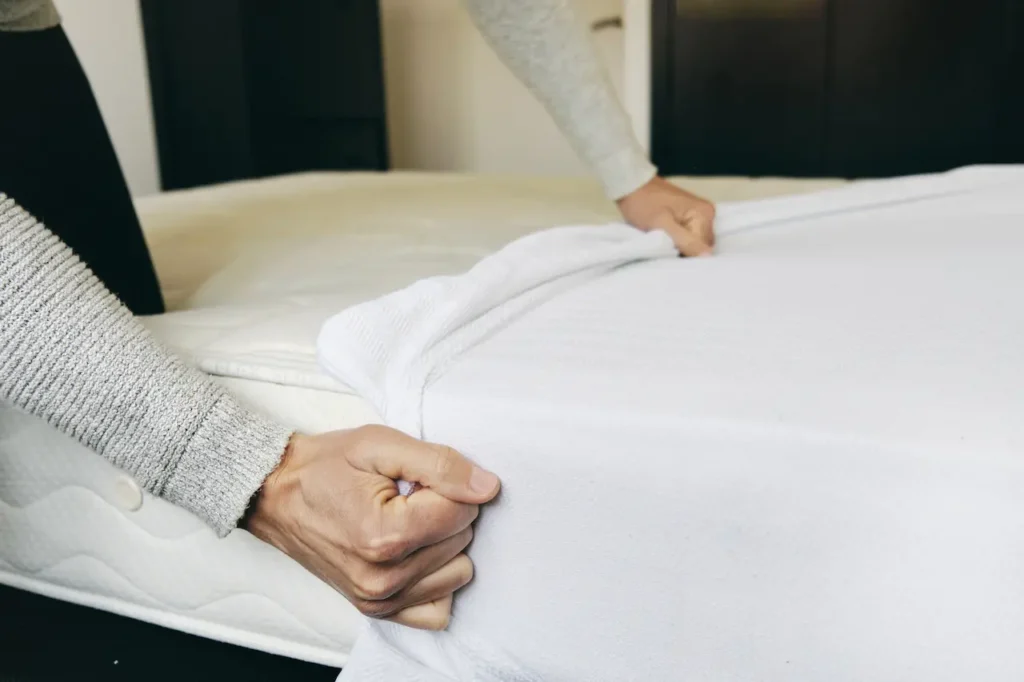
(390, 349)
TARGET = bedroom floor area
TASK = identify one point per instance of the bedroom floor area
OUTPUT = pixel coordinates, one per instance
(44, 640)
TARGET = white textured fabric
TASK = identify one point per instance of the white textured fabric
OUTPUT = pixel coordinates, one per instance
(389, 350)
(800, 460)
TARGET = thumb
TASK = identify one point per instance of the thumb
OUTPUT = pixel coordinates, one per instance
(688, 243)
(438, 467)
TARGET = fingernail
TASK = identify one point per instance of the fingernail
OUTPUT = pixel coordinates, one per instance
(482, 481)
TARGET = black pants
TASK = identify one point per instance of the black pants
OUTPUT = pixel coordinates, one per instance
(57, 161)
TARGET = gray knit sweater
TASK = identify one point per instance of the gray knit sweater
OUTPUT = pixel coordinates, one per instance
(71, 354)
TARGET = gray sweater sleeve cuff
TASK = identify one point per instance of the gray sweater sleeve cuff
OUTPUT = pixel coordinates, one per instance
(225, 462)
(75, 357)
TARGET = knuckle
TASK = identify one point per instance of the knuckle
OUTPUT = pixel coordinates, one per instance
(464, 569)
(376, 586)
(374, 609)
(465, 537)
(445, 461)
(380, 550)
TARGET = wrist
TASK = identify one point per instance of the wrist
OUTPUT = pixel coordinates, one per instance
(624, 173)
(267, 496)
(638, 191)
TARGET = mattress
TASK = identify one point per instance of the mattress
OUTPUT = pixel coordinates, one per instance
(250, 272)
(800, 460)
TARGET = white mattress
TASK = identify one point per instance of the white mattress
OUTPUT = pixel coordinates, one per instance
(800, 460)
(251, 270)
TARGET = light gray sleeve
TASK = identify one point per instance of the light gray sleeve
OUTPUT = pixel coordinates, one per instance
(548, 48)
(71, 354)
(28, 15)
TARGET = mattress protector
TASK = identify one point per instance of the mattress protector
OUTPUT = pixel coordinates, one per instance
(800, 460)
(251, 271)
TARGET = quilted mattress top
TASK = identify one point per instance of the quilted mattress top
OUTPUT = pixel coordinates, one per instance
(250, 271)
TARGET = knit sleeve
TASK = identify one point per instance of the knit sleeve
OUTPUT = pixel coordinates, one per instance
(71, 354)
(547, 47)
(27, 15)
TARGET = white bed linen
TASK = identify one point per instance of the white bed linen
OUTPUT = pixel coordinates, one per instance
(800, 460)
(251, 270)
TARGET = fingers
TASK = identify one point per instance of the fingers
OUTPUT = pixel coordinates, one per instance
(338, 513)
(425, 518)
(687, 242)
(430, 600)
(430, 559)
(377, 581)
(436, 587)
(404, 525)
(454, 575)
(399, 457)
(700, 220)
(430, 616)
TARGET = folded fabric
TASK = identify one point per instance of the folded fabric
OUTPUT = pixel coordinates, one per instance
(388, 350)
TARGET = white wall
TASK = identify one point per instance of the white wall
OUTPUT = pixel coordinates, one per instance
(452, 104)
(107, 37)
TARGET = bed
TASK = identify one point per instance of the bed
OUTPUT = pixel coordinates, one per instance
(250, 271)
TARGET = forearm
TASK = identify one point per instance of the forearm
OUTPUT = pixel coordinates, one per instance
(71, 354)
(547, 47)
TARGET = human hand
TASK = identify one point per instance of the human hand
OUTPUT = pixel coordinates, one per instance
(333, 505)
(660, 205)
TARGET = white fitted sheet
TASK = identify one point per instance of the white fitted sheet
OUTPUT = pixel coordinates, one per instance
(800, 460)
(250, 271)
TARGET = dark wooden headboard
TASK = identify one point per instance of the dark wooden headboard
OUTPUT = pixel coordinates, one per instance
(250, 88)
(843, 88)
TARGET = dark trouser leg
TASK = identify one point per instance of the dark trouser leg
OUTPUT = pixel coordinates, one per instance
(57, 161)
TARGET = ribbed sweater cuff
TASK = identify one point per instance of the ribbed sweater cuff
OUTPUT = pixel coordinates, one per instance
(225, 463)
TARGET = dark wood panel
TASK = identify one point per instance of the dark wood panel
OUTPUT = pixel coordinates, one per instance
(745, 88)
(836, 87)
(915, 88)
(1010, 123)
(199, 90)
(249, 88)
(294, 144)
(298, 50)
